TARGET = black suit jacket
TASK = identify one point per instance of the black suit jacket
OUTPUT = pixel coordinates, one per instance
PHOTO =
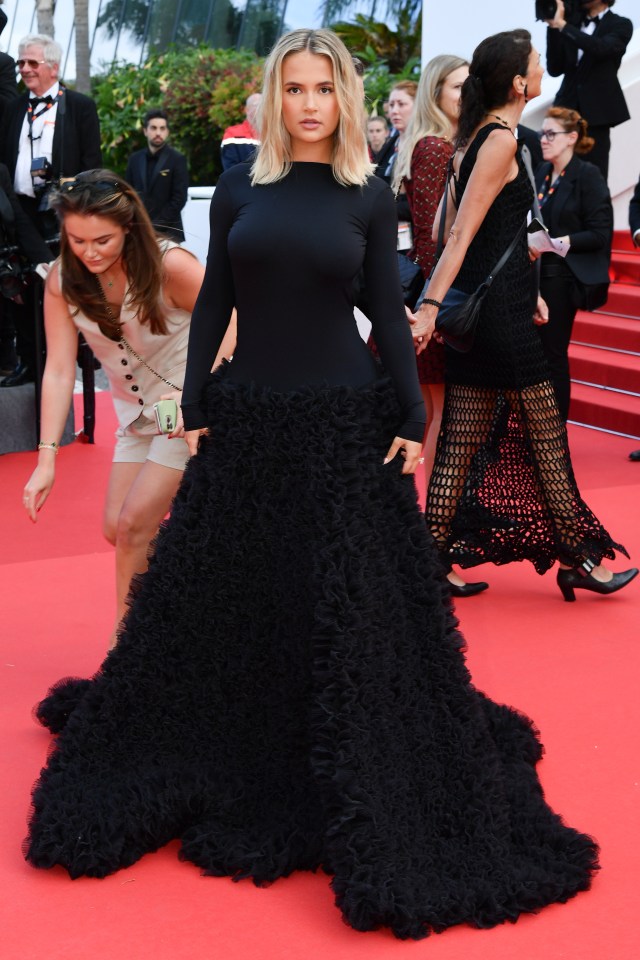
(385, 153)
(591, 85)
(76, 138)
(634, 210)
(581, 209)
(22, 230)
(8, 85)
(166, 194)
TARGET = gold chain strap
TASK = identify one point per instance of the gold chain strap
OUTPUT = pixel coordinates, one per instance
(121, 339)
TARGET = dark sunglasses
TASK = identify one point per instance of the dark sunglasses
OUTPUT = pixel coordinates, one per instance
(32, 64)
(101, 186)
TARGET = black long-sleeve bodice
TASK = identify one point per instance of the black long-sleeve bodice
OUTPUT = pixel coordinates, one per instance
(285, 255)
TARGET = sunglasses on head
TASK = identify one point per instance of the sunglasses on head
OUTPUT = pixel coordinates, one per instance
(101, 186)
(32, 64)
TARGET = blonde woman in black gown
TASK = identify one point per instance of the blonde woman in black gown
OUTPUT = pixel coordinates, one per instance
(502, 487)
(288, 691)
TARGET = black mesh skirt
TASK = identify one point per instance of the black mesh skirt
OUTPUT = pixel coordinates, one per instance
(289, 692)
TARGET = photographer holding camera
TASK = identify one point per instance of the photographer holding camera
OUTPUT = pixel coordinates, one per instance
(51, 133)
(586, 43)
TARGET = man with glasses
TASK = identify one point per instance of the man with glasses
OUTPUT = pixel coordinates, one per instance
(50, 133)
(589, 55)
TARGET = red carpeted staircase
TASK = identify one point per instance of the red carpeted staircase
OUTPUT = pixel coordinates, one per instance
(605, 351)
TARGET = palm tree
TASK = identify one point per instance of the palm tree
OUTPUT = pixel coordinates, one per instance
(333, 10)
(374, 42)
(83, 59)
(45, 10)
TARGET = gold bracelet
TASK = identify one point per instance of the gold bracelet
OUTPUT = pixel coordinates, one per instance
(49, 446)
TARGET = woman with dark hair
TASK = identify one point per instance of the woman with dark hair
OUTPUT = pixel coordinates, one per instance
(576, 209)
(288, 692)
(131, 295)
(502, 487)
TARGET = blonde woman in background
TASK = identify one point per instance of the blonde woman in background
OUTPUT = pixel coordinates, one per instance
(420, 172)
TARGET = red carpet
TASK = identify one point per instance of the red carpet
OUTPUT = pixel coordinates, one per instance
(573, 667)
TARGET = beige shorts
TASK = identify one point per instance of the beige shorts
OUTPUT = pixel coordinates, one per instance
(155, 447)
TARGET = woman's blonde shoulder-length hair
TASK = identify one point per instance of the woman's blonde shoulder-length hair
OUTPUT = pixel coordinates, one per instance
(350, 159)
(427, 119)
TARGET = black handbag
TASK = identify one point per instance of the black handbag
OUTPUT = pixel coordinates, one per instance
(411, 279)
(459, 311)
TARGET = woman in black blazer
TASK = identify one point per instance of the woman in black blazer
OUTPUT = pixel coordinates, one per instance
(576, 210)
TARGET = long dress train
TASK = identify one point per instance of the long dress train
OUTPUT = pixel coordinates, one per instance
(289, 692)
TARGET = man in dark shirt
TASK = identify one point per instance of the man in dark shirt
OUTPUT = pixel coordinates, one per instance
(159, 175)
(589, 55)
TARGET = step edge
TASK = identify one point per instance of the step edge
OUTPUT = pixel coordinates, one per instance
(615, 433)
(603, 348)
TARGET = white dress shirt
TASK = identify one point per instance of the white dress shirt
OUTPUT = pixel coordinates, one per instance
(590, 28)
(42, 130)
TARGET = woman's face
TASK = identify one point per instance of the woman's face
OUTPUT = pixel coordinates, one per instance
(310, 109)
(400, 107)
(449, 99)
(97, 241)
(555, 140)
(376, 133)
(535, 72)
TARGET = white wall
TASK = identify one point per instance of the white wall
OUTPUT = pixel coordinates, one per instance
(457, 26)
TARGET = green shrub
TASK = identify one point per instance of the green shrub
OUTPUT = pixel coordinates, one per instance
(203, 91)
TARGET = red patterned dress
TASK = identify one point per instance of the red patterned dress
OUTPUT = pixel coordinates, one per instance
(424, 189)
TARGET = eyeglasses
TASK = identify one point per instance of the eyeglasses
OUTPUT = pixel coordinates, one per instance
(32, 64)
(550, 135)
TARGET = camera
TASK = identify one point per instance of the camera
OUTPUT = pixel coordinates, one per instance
(40, 167)
(546, 10)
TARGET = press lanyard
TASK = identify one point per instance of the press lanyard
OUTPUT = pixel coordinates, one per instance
(31, 116)
(547, 190)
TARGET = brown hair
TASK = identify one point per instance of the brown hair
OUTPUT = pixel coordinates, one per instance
(101, 193)
(572, 122)
(496, 61)
(407, 86)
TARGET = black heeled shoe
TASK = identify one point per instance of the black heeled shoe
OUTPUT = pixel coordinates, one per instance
(580, 578)
(467, 589)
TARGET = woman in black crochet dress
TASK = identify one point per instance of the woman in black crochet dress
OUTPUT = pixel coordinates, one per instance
(288, 691)
(502, 487)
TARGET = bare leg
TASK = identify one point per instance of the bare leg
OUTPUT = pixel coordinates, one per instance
(138, 499)
(433, 395)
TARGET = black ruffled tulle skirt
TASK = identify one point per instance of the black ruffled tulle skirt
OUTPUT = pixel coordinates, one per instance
(289, 692)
